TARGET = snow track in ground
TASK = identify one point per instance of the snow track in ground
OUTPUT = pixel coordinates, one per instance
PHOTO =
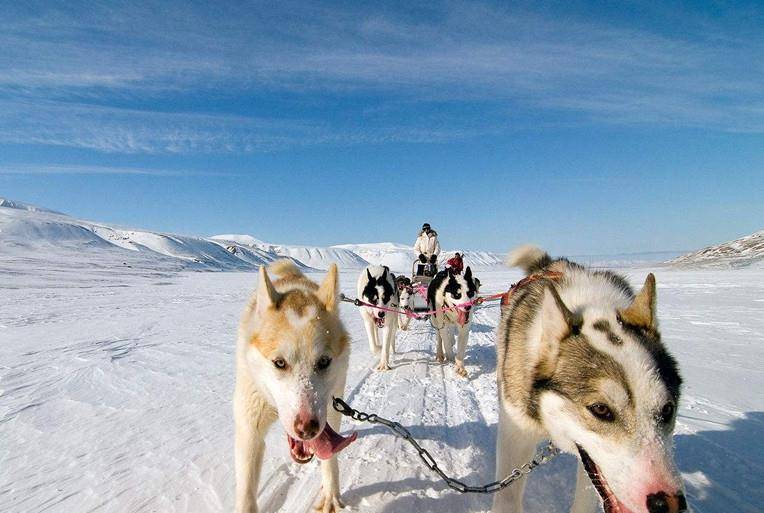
(115, 396)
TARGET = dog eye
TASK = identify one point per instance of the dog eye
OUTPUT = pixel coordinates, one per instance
(470, 294)
(667, 413)
(602, 411)
(280, 363)
(323, 362)
(457, 295)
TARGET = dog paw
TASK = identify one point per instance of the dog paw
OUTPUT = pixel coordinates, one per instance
(383, 367)
(329, 504)
(440, 358)
(461, 371)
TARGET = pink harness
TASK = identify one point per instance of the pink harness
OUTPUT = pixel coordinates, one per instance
(420, 315)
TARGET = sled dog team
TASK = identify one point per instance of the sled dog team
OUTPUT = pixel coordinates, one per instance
(447, 296)
(580, 361)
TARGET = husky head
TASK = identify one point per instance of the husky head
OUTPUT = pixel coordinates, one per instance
(298, 352)
(449, 289)
(607, 389)
(376, 286)
(405, 297)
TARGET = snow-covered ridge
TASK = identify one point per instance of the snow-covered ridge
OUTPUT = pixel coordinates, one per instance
(400, 257)
(34, 233)
(29, 231)
(24, 206)
(742, 252)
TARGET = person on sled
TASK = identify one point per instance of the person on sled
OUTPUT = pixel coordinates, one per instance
(456, 263)
(428, 248)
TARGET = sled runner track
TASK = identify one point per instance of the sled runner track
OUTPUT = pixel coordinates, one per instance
(442, 410)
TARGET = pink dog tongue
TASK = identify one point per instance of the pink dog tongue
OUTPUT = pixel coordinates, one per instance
(462, 317)
(329, 442)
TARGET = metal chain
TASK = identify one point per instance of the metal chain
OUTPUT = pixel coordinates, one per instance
(545, 454)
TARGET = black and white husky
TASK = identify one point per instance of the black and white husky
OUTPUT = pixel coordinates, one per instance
(580, 361)
(448, 289)
(376, 286)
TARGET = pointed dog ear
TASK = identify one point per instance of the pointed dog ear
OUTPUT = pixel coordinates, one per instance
(368, 275)
(642, 311)
(267, 297)
(557, 322)
(329, 289)
(468, 273)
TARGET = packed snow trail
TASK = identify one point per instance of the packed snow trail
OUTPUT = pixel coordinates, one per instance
(115, 396)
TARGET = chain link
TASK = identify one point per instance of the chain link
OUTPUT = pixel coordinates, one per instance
(546, 453)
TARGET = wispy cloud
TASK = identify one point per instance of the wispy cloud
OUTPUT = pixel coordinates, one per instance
(57, 63)
(46, 169)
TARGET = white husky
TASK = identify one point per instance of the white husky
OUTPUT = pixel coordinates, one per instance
(448, 289)
(580, 361)
(376, 286)
(405, 302)
(291, 357)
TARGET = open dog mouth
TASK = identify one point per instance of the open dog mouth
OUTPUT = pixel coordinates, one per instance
(610, 502)
(463, 316)
(325, 445)
(380, 321)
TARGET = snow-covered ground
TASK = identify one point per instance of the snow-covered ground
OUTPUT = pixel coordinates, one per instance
(115, 388)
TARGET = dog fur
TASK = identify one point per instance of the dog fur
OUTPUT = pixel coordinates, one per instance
(291, 357)
(405, 302)
(449, 289)
(580, 361)
(376, 286)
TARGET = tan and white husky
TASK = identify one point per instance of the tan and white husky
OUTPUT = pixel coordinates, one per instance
(291, 357)
(580, 361)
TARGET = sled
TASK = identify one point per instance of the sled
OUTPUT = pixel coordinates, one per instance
(421, 276)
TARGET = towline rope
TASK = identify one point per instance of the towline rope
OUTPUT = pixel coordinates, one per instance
(546, 453)
(421, 315)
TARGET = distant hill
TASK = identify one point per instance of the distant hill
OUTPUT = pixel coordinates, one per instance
(30, 232)
(743, 252)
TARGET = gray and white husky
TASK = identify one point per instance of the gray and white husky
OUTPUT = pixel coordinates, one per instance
(376, 286)
(448, 289)
(580, 361)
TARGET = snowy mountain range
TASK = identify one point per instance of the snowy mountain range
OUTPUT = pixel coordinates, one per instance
(743, 252)
(31, 232)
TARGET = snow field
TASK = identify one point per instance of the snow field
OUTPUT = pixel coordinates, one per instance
(115, 391)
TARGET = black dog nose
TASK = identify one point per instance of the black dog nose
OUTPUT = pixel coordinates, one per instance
(306, 428)
(381, 314)
(661, 502)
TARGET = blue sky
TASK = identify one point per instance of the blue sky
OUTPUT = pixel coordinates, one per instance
(584, 127)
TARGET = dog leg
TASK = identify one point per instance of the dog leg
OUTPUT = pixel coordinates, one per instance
(439, 347)
(403, 322)
(252, 418)
(586, 499)
(395, 326)
(329, 500)
(371, 333)
(388, 339)
(461, 347)
(514, 446)
(448, 342)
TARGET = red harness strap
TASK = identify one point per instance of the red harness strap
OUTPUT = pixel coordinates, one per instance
(548, 275)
